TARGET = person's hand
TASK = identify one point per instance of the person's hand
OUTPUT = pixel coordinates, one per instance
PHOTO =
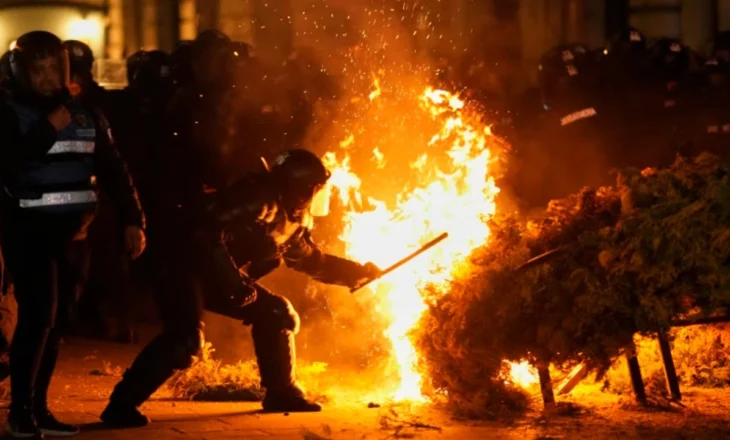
(368, 271)
(135, 241)
(60, 118)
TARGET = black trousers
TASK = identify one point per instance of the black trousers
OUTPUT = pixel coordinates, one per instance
(198, 274)
(48, 267)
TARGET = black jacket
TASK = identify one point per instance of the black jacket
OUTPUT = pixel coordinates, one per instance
(261, 234)
(18, 151)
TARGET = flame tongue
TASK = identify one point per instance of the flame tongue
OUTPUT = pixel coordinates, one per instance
(452, 191)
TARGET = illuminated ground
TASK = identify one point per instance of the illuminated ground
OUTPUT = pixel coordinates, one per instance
(79, 397)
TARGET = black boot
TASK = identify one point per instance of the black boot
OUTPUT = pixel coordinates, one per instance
(22, 423)
(149, 371)
(123, 408)
(290, 399)
(46, 421)
(49, 425)
(123, 415)
(26, 354)
(276, 355)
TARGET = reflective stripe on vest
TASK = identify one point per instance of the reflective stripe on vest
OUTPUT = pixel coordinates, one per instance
(80, 147)
(60, 198)
(581, 114)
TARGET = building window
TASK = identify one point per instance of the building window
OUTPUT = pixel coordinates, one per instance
(188, 20)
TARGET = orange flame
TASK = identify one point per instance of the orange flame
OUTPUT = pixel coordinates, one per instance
(523, 374)
(454, 195)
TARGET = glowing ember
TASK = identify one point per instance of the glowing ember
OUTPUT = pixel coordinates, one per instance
(523, 374)
(453, 192)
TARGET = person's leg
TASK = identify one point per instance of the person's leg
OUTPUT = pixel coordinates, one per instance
(35, 276)
(274, 323)
(180, 304)
(72, 273)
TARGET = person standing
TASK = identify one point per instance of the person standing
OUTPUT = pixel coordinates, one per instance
(54, 152)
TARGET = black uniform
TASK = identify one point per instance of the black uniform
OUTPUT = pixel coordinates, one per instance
(107, 275)
(245, 233)
(49, 199)
(140, 125)
(710, 120)
(568, 148)
(667, 107)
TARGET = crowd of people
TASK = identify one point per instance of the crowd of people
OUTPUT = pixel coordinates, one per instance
(161, 164)
(187, 206)
(630, 103)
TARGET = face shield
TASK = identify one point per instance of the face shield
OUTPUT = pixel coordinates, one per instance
(320, 206)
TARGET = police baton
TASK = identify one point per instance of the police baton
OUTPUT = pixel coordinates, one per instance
(403, 261)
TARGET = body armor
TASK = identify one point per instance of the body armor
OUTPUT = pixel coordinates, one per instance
(64, 180)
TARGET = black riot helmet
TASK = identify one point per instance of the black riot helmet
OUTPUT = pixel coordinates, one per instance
(181, 64)
(242, 50)
(302, 179)
(81, 58)
(34, 46)
(628, 42)
(671, 59)
(212, 58)
(716, 72)
(133, 62)
(565, 70)
(148, 70)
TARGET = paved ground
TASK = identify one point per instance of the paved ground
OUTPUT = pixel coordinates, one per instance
(78, 397)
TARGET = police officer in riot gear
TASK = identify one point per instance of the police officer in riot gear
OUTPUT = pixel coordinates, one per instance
(666, 124)
(630, 97)
(181, 65)
(566, 151)
(53, 153)
(266, 218)
(82, 83)
(710, 116)
(202, 114)
(139, 129)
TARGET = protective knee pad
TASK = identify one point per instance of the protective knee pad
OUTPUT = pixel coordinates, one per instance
(184, 345)
(285, 317)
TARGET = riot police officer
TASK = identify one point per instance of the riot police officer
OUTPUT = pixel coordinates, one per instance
(82, 83)
(140, 130)
(104, 265)
(710, 118)
(266, 218)
(181, 65)
(567, 150)
(673, 65)
(202, 114)
(53, 153)
(630, 96)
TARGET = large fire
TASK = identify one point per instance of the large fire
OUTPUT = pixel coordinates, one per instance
(454, 192)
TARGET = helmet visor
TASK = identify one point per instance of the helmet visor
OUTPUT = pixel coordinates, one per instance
(320, 206)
